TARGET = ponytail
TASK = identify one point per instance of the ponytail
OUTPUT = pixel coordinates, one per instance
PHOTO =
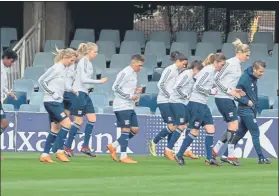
(240, 47)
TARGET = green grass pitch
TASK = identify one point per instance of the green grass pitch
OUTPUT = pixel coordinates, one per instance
(23, 175)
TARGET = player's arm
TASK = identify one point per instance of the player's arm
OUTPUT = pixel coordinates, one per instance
(82, 67)
(179, 85)
(117, 86)
(242, 85)
(162, 83)
(50, 74)
(223, 72)
(201, 82)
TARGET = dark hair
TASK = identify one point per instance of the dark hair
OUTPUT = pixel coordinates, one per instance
(138, 57)
(258, 64)
(175, 55)
(9, 54)
(196, 64)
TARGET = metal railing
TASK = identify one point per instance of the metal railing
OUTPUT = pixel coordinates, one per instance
(26, 49)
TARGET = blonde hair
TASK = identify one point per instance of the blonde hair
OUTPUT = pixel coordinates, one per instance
(209, 60)
(85, 48)
(240, 47)
(64, 53)
(213, 57)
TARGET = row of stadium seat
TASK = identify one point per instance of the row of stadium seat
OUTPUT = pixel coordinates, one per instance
(108, 48)
(165, 36)
(102, 100)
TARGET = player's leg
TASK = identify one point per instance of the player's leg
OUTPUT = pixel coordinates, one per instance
(195, 119)
(188, 153)
(252, 126)
(168, 119)
(240, 133)
(179, 120)
(209, 128)
(4, 122)
(228, 110)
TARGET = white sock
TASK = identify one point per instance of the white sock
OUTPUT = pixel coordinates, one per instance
(123, 155)
(167, 149)
(60, 151)
(115, 144)
(45, 154)
(189, 149)
(218, 146)
(230, 150)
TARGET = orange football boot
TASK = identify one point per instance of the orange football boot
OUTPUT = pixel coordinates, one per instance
(128, 160)
(169, 154)
(190, 154)
(46, 159)
(112, 152)
(62, 157)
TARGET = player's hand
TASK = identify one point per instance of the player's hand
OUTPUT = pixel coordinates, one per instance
(139, 90)
(12, 95)
(103, 80)
(214, 91)
(134, 97)
(76, 92)
(250, 103)
(240, 92)
(235, 94)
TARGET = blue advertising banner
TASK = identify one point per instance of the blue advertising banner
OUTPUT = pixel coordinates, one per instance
(27, 132)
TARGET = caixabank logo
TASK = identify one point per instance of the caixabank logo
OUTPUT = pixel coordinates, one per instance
(245, 145)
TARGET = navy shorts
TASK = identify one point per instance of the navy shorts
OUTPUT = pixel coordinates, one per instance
(126, 118)
(180, 113)
(166, 113)
(68, 99)
(199, 115)
(55, 111)
(227, 108)
(3, 115)
(82, 105)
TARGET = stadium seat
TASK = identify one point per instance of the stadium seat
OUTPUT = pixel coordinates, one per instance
(120, 60)
(98, 110)
(75, 43)
(37, 98)
(272, 62)
(182, 47)
(157, 72)
(134, 35)
(193, 58)
(106, 88)
(228, 50)
(148, 100)
(155, 48)
(107, 48)
(99, 63)
(50, 45)
(142, 110)
(151, 87)
(8, 107)
(29, 108)
(215, 112)
(99, 99)
(188, 37)
(21, 99)
(34, 73)
(158, 112)
(270, 113)
(275, 105)
(275, 50)
(213, 37)
(264, 38)
(263, 103)
(24, 85)
(150, 63)
(161, 36)
(243, 36)
(85, 34)
(108, 110)
(43, 59)
(166, 61)
(142, 77)
(130, 48)
(258, 51)
(110, 35)
(7, 35)
(204, 49)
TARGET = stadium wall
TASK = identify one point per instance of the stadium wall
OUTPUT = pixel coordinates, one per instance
(27, 133)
